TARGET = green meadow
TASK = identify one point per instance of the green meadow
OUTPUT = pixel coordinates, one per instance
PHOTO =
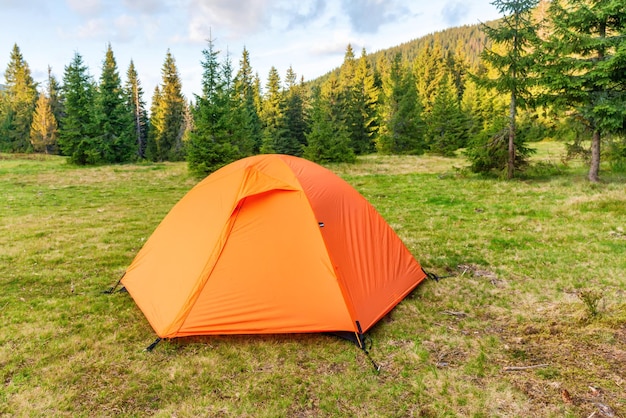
(528, 318)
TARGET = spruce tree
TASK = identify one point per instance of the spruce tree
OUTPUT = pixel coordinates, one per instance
(584, 67)
(155, 130)
(446, 125)
(168, 137)
(328, 140)
(44, 129)
(513, 59)
(210, 146)
(247, 98)
(272, 113)
(401, 124)
(53, 93)
(113, 116)
(20, 99)
(293, 135)
(134, 95)
(429, 68)
(367, 96)
(76, 130)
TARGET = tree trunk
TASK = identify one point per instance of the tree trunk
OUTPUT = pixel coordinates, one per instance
(594, 167)
(510, 170)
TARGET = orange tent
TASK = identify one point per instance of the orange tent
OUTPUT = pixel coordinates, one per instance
(271, 244)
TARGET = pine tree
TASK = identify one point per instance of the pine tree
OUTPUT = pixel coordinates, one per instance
(239, 123)
(168, 137)
(137, 105)
(211, 144)
(293, 135)
(53, 92)
(247, 99)
(43, 131)
(401, 126)
(446, 125)
(155, 130)
(114, 122)
(20, 99)
(328, 140)
(429, 68)
(272, 113)
(76, 130)
(584, 66)
(366, 95)
(515, 35)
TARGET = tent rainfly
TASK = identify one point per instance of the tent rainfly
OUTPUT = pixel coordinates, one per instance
(266, 245)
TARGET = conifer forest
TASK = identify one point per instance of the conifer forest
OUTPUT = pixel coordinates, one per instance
(544, 70)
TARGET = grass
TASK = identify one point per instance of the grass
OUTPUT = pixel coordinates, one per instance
(518, 258)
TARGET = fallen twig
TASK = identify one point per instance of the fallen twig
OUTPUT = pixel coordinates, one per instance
(455, 313)
(518, 368)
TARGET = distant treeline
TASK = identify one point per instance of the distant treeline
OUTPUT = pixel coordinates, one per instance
(427, 95)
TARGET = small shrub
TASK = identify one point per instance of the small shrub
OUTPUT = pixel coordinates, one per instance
(591, 298)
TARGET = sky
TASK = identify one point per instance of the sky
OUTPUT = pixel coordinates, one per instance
(311, 36)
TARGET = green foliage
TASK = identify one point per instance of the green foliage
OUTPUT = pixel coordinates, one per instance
(488, 152)
(429, 69)
(591, 299)
(272, 115)
(402, 128)
(18, 104)
(446, 129)
(248, 100)
(44, 128)
(616, 154)
(165, 142)
(223, 125)
(514, 61)
(328, 140)
(114, 122)
(77, 127)
(583, 67)
(292, 138)
(134, 97)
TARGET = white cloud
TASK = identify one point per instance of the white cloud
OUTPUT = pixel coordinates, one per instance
(86, 7)
(147, 7)
(237, 18)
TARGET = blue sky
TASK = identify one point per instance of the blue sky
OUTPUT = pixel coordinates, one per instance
(309, 35)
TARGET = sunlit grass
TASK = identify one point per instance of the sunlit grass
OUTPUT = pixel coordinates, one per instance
(514, 256)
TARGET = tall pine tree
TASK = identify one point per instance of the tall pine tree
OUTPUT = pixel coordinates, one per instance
(167, 139)
(446, 124)
(584, 66)
(293, 135)
(134, 95)
(247, 99)
(513, 57)
(272, 114)
(328, 140)
(114, 120)
(211, 140)
(77, 127)
(44, 130)
(20, 99)
(401, 125)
